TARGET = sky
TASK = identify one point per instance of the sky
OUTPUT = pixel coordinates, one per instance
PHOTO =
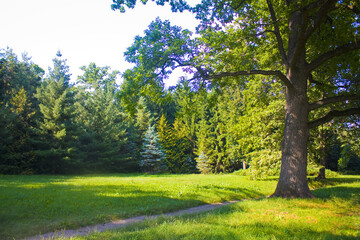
(83, 30)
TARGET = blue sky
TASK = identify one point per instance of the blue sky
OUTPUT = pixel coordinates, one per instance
(83, 30)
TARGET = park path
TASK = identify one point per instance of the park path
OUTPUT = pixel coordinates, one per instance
(124, 222)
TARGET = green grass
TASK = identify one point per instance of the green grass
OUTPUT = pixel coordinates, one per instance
(334, 214)
(30, 205)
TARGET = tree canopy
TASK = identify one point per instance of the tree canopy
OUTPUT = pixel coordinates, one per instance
(312, 47)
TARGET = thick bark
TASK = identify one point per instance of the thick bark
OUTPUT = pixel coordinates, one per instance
(292, 181)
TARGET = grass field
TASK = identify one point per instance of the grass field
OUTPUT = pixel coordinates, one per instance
(333, 215)
(30, 205)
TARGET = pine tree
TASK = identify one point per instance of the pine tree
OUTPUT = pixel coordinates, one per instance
(163, 130)
(7, 118)
(142, 116)
(259, 129)
(56, 125)
(21, 150)
(19, 110)
(102, 143)
(152, 155)
(179, 149)
(140, 124)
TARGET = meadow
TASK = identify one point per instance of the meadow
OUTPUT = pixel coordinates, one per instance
(30, 205)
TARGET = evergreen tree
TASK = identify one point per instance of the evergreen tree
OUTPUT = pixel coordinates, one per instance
(203, 164)
(179, 151)
(142, 116)
(56, 124)
(259, 129)
(21, 150)
(203, 145)
(19, 110)
(152, 155)
(163, 130)
(140, 124)
(7, 118)
(102, 142)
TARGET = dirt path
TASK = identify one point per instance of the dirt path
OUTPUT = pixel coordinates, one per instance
(121, 223)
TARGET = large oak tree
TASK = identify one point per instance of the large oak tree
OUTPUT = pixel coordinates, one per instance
(311, 46)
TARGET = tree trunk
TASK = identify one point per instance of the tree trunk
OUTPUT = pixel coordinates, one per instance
(244, 165)
(323, 139)
(321, 175)
(292, 181)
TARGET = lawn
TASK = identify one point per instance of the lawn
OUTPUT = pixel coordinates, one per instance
(30, 205)
(334, 214)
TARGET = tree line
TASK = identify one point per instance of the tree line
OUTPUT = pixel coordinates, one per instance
(53, 124)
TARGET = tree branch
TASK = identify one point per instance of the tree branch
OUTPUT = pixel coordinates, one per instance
(312, 5)
(331, 100)
(334, 53)
(238, 6)
(277, 33)
(319, 17)
(331, 115)
(279, 74)
(306, 31)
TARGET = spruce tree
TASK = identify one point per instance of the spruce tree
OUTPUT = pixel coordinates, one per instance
(203, 164)
(152, 155)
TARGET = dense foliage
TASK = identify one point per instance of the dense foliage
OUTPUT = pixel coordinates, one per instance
(310, 47)
(53, 124)
(252, 65)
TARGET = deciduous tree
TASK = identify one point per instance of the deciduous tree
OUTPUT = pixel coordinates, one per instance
(295, 42)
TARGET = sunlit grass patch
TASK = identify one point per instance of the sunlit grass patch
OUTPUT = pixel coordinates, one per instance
(30, 205)
(329, 217)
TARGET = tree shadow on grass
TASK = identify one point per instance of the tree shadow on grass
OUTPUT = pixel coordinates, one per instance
(209, 226)
(338, 192)
(29, 206)
(34, 204)
(231, 193)
(335, 180)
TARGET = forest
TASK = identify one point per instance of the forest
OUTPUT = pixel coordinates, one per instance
(235, 112)
(53, 124)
